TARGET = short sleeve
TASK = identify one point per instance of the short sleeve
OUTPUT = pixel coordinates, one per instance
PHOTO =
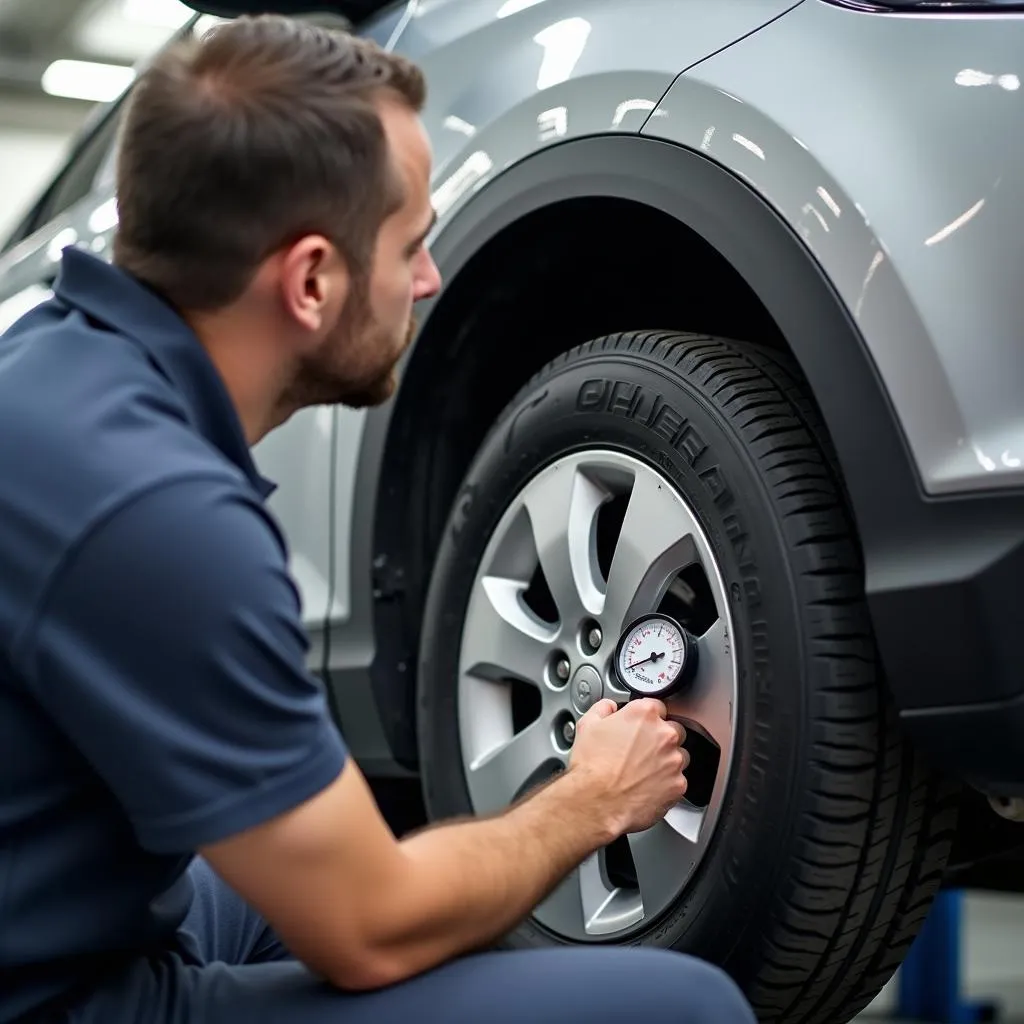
(170, 650)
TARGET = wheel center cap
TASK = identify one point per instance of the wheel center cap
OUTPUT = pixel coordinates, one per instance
(586, 688)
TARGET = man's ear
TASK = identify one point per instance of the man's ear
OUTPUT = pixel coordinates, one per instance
(314, 281)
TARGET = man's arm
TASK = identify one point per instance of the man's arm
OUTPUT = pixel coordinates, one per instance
(366, 910)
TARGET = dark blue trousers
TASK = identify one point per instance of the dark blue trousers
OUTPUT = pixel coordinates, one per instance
(234, 971)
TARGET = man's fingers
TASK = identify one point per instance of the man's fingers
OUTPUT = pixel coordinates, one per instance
(647, 707)
(602, 709)
(652, 704)
(680, 731)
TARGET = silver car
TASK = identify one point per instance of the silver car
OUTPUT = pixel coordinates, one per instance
(729, 361)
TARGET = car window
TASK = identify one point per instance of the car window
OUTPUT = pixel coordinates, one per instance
(79, 175)
(73, 181)
(92, 163)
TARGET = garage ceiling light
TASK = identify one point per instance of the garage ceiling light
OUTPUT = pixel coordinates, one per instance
(165, 13)
(127, 31)
(85, 80)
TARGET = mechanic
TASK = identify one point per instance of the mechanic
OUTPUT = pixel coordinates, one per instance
(182, 834)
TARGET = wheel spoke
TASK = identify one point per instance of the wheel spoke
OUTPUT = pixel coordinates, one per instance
(501, 636)
(663, 859)
(606, 908)
(615, 690)
(563, 504)
(562, 910)
(595, 893)
(708, 703)
(586, 904)
(686, 820)
(495, 778)
(655, 542)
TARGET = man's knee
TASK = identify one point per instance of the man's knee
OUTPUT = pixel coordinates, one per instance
(716, 997)
(610, 983)
(692, 991)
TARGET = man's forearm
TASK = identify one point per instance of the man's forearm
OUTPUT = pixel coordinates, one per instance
(470, 882)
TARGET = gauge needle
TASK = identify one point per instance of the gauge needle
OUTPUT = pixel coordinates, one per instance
(651, 657)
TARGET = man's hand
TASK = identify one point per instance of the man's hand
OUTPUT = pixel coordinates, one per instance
(364, 909)
(635, 754)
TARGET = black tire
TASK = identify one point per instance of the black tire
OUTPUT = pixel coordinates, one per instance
(834, 833)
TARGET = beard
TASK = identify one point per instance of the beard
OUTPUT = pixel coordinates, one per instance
(356, 366)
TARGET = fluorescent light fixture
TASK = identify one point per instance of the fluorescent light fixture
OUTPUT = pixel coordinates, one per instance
(84, 80)
(165, 13)
(127, 31)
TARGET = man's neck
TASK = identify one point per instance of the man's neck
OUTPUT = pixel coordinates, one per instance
(254, 381)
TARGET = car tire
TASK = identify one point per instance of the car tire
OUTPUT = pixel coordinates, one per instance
(832, 832)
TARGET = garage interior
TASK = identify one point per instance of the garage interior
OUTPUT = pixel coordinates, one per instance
(59, 60)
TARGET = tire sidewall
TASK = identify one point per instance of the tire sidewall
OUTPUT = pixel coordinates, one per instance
(634, 404)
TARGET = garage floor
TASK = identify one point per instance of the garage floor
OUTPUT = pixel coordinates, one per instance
(992, 959)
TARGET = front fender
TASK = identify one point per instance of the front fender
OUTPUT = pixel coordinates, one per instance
(895, 156)
(773, 260)
(508, 78)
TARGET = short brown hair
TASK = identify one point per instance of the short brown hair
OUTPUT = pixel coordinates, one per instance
(231, 146)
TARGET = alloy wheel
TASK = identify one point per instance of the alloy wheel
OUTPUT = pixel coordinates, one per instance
(592, 541)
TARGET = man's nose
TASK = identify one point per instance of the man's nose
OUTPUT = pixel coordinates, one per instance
(428, 279)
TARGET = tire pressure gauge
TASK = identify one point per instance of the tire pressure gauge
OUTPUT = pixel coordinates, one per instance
(655, 657)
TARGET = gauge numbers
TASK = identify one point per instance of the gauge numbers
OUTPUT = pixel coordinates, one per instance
(655, 656)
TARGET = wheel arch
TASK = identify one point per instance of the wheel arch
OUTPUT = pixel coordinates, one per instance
(748, 235)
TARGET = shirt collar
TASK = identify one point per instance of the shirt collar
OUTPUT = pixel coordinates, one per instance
(115, 298)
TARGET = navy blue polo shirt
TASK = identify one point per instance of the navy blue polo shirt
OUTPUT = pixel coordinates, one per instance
(154, 695)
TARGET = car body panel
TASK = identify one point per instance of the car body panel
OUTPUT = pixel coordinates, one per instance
(899, 166)
(507, 77)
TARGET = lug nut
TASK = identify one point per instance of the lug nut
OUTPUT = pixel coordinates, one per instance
(594, 638)
(562, 667)
(569, 732)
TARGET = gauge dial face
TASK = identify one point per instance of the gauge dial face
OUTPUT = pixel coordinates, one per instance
(651, 655)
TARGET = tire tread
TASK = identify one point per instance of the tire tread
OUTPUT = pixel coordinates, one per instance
(853, 902)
